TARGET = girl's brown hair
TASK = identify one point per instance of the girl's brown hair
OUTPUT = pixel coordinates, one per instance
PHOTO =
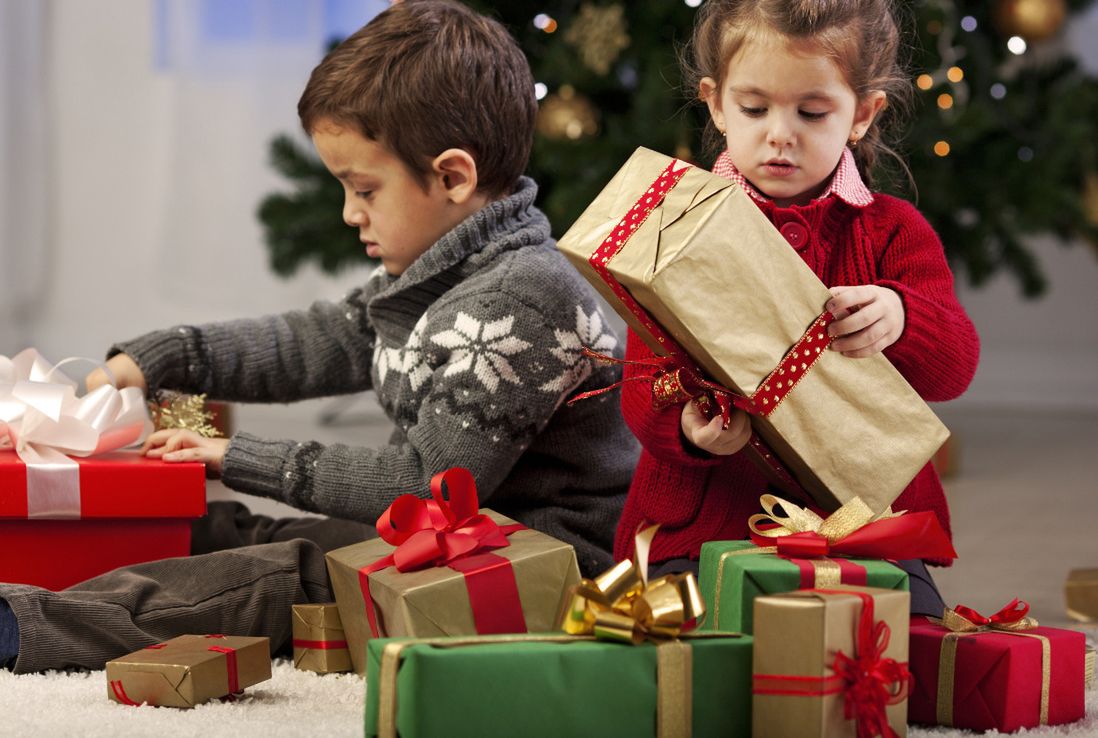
(429, 75)
(861, 36)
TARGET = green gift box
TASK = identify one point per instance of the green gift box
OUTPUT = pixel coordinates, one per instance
(733, 573)
(555, 685)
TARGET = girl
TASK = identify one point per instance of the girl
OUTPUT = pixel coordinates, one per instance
(799, 93)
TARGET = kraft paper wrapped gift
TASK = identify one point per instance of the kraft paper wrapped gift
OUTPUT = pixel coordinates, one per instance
(188, 670)
(320, 644)
(803, 676)
(1081, 595)
(715, 278)
(733, 573)
(999, 673)
(554, 685)
(438, 601)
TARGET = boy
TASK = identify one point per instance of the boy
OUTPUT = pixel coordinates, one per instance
(469, 333)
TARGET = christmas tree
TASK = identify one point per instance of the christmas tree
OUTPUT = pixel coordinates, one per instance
(1000, 145)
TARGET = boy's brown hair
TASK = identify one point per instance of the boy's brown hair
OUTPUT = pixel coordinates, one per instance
(429, 75)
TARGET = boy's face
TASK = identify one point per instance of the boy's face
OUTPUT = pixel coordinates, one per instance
(397, 219)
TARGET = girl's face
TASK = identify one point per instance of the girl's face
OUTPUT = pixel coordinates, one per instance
(787, 112)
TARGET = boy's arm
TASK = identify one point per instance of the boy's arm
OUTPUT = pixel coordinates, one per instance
(938, 350)
(477, 392)
(324, 350)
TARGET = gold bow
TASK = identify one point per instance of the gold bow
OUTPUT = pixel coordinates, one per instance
(853, 515)
(965, 620)
(622, 605)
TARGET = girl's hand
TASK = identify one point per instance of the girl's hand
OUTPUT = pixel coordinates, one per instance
(868, 319)
(126, 374)
(708, 434)
(174, 444)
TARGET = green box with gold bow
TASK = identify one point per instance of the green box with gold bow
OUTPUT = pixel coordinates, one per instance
(556, 685)
(733, 573)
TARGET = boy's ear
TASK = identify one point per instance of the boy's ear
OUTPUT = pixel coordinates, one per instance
(456, 170)
(865, 113)
(707, 91)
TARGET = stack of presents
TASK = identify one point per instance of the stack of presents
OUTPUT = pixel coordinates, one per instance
(465, 622)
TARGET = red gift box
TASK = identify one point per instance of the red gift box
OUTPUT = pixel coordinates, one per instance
(132, 509)
(996, 679)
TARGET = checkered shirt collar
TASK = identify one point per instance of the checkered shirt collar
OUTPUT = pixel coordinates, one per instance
(846, 183)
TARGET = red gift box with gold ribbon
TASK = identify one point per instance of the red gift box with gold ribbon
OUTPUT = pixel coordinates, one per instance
(1001, 672)
(444, 567)
(127, 509)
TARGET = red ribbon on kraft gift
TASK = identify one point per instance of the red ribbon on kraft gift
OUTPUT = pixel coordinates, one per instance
(321, 645)
(452, 533)
(868, 681)
(678, 378)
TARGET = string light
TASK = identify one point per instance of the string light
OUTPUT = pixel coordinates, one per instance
(1025, 153)
(941, 148)
(540, 90)
(693, 3)
(545, 23)
(968, 23)
(945, 101)
(1017, 45)
(924, 81)
(955, 74)
(998, 90)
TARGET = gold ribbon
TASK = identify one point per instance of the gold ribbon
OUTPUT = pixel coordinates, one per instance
(622, 605)
(960, 627)
(1088, 668)
(853, 515)
(674, 670)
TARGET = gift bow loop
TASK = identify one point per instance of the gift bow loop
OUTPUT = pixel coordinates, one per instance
(1011, 617)
(871, 681)
(622, 605)
(852, 530)
(438, 531)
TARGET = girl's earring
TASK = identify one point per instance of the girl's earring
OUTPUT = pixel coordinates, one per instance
(852, 143)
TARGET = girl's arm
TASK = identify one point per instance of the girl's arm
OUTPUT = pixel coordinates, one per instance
(659, 431)
(938, 350)
(324, 350)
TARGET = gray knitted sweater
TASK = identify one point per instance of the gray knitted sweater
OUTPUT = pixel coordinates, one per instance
(472, 353)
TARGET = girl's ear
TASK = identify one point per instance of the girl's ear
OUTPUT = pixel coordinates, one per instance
(707, 90)
(456, 171)
(866, 112)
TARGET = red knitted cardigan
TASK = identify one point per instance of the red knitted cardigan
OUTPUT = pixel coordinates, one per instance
(697, 497)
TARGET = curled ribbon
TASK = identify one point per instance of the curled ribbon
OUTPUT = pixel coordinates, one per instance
(45, 422)
(449, 532)
(1012, 617)
(871, 681)
(852, 530)
(622, 605)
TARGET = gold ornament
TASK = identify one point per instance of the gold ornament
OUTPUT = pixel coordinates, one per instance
(1090, 202)
(1033, 20)
(567, 114)
(185, 412)
(599, 33)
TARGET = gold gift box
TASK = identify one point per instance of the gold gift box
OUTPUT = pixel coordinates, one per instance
(434, 602)
(184, 671)
(1081, 594)
(320, 644)
(798, 634)
(714, 273)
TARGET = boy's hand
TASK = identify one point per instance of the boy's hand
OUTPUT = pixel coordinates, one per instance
(174, 444)
(708, 434)
(868, 319)
(126, 374)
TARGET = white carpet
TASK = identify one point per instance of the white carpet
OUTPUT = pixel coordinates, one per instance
(293, 703)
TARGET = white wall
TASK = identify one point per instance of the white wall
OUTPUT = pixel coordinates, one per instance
(126, 253)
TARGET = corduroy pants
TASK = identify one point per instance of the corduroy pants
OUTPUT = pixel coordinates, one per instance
(244, 574)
